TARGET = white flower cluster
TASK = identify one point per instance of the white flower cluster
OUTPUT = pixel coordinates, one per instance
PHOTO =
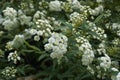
(76, 4)
(116, 41)
(101, 49)
(107, 13)
(71, 5)
(115, 77)
(9, 72)
(67, 6)
(57, 44)
(77, 18)
(96, 11)
(10, 21)
(36, 33)
(81, 40)
(115, 27)
(114, 69)
(10, 24)
(24, 20)
(88, 55)
(17, 42)
(99, 72)
(100, 33)
(55, 5)
(13, 56)
(90, 69)
(27, 8)
(43, 5)
(105, 62)
(86, 48)
(44, 25)
(10, 12)
(39, 15)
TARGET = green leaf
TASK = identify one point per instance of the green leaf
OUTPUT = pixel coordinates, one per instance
(21, 71)
(32, 47)
(28, 51)
(99, 18)
(42, 56)
(66, 24)
(93, 33)
(85, 76)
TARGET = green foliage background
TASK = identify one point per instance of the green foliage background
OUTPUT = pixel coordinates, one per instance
(38, 62)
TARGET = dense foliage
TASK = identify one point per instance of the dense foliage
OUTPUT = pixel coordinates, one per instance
(60, 39)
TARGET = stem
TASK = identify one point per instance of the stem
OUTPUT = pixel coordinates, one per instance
(32, 47)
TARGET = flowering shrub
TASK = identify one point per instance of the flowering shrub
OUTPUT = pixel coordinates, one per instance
(60, 39)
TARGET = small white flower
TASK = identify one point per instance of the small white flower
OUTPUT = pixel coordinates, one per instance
(23, 18)
(54, 55)
(48, 47)
(55, 5)
(37, 15)
(18, 40)
(10, 12)
(115, 26)
(9, 45)
(13, 56)
(86, 48)
(10, 24)
(87, 57)
(36, 38)
(97, 10)
(114, 69)
(90, 69)
(32, 31)
(76, 4)
(57, 43)
(105, 62)
(40, 33)
(51, 40)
